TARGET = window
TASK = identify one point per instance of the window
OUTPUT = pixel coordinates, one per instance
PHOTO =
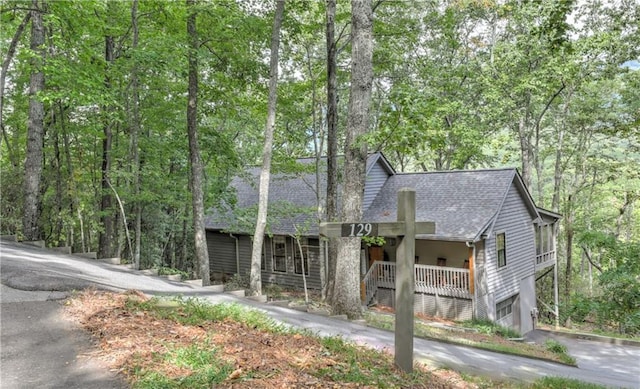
(502, 250)
(279, 254)
(544, 239)
(297, 257)
(504, 308)
(263, 260)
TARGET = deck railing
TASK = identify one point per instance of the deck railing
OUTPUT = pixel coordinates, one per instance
(546, 258)
(446, 281)
(429, 277)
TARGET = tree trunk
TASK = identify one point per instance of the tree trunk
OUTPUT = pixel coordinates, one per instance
(346, 299)
(135, 131)
(255, 282)
(3, 74)
(568, 228)
(332, 145)
(105, 249)
(59, 198)
(557, 172)
(526, 151)
(74, 204)
(35, 130)
(202, 255)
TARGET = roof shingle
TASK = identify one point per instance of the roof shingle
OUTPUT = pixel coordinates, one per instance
(461, 203)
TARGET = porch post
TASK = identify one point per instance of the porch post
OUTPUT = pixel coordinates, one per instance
(555, 276)
(472, 266)
(405, 280)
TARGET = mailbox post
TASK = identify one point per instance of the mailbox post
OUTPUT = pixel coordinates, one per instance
(405, 229)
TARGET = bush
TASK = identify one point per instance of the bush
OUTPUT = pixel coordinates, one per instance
(555, 347)
(274, 291)
(490, 328)
(579, 308)
(236, 282)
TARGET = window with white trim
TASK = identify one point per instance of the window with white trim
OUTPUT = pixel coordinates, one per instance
(504, 308)
(501, 248)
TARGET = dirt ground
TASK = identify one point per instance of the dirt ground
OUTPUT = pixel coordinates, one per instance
(126, 339)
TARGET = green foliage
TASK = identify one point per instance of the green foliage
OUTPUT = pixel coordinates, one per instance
(273, 290)
(198, 312)
(561, 350)
(491, 328)
(555, 347)
(208, 369)
(236, 282)
(562, 383)
(617, 305)
(373, 240)
(579, 308)
(163, 270)
(350, 363)
(620, 300)
(459, 84)
(363, 367)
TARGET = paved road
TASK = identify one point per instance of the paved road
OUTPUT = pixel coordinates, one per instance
(50, 275)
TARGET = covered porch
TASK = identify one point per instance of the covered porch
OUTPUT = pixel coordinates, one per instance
(434, 280)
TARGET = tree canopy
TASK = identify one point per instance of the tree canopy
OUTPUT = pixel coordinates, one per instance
(94, 97)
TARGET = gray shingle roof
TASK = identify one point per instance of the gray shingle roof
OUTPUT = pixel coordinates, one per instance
(287, 193)
(461, 203)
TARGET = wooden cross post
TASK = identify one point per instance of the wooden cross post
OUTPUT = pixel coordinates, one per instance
(405, 280)
(405, 229)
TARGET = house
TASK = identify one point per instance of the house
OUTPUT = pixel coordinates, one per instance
(490, 241)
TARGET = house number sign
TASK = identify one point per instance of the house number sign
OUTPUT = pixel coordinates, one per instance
(405, 228)
(356, 230)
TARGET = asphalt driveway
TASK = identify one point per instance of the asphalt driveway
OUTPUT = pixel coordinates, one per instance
(41, 350)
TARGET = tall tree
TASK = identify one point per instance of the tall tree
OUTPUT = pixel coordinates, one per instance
(197, 176)
(346, 296)
(35, 135)
(3, 75)
(135, 132)
(263, 202)
(332, 142)
(107, 234)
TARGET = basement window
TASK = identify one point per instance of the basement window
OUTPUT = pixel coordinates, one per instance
(504, 308)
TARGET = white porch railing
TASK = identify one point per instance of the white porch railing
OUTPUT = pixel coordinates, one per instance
(439, 277)
(444, 281)
(545, 259)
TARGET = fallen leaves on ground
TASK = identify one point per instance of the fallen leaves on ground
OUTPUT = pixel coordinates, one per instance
(127, 338)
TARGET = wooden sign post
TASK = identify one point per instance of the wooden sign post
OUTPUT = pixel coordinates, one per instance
(405, 229)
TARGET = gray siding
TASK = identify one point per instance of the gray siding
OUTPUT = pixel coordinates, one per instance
(222, 257)
(376, 178)
(222, 253)
(516, 222)
(245, 248)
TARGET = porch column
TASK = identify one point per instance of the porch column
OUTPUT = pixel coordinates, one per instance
(555, 276)
(472, 266)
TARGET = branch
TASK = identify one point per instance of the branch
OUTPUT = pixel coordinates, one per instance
(586, 252)
(124, 217)
(546, 107)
